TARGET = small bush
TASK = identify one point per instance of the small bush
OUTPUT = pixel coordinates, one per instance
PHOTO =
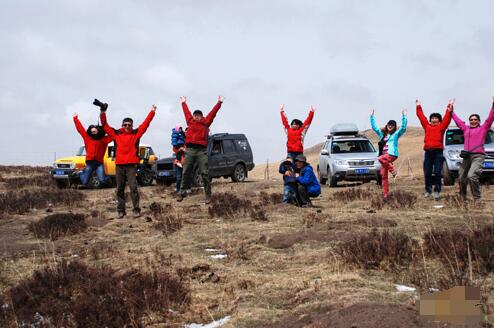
(455, 201)
(58, 225)
(379, 249)
(166, 220)
(44, 180)
(396, 200)
(75, 295)
(23, 169)
(23, 201)
(268, 199)
(228, 206)
(352, 194)
(258, 213)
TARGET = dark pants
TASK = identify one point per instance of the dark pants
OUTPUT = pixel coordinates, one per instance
(126, 173)
(195, 156)
(92, 166)
(433, 162)
(178, 176)
(470, 171)
(303, 197)
(293, 154)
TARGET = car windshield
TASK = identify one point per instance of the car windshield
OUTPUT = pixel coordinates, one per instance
(352, 146)
(455, 137)
(81, 151)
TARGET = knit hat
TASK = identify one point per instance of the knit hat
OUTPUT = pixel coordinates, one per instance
(178, 127)
(301, 158)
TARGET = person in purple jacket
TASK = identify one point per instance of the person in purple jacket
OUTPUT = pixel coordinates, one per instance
(474, 136)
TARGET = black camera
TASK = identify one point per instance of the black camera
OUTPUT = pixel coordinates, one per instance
(102, 106)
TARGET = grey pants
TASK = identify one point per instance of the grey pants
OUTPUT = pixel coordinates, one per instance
(195, 158)
(469, 174)
(126, 173)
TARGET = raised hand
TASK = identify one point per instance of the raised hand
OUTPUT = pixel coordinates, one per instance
(451, 102)
(372, 112)
(153, 108)
(75, 115)
(183, 99)
(312, 108)
(282, 108)
(418, 103)
(221, 98)
(404, 112)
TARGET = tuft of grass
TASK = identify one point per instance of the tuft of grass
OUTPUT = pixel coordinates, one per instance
(397, 200)
(58, 225)
(352, 194)
(270, 198)
(22, 201)
(166, 219)
(228, 206)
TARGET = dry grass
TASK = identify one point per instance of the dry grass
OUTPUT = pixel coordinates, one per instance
(58, 225)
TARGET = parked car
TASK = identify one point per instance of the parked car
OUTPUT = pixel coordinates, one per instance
(230, 156)
(453, 144)
(347, 155)
(65, 170)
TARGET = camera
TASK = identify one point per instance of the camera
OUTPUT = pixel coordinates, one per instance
(102, 106)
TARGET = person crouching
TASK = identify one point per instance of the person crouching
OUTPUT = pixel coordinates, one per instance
(308, 185)
(289, 181)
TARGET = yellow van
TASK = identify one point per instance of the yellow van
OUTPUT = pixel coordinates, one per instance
(65, 171)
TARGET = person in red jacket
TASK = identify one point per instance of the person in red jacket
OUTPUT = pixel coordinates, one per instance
(95, 143)
(296, 132)
(196, 142)
(127, 157)
(434, 129)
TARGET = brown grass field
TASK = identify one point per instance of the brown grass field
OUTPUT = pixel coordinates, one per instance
(333, 265)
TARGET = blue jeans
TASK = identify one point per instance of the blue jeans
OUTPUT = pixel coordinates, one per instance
(433, 162)
(92, 166)
(293, 155)
(178, 176)
(289, 193)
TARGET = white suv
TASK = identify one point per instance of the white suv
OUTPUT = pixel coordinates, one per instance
(347, 155)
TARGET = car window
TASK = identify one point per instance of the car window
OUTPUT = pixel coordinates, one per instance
(352, 146)
(81, 151)
(228, 146)
(243, 145)
(111, 151)
(455, 137)
(216, 149)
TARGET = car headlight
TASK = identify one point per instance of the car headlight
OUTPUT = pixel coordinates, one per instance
(55, 165)
(454, 154)
(341, 162)
(72, 165)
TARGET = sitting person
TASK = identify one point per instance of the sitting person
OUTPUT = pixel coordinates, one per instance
(308, 186)
(178, 142)
(289, 181)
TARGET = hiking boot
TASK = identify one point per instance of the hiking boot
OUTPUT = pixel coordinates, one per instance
(437, 196)
(136, 214)
(394, 173)
(207, 200)
(120, 215)
(180, 197)
(427, 194)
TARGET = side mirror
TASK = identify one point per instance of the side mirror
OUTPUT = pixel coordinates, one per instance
(324, 152)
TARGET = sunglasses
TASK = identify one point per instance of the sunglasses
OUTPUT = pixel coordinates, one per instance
(126, 124)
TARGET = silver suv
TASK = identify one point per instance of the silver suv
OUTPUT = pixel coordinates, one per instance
(347, 155)
(453, 144)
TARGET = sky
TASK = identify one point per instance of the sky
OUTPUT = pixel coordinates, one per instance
(344, 57)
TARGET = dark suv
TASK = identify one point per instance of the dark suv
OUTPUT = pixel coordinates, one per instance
(230, 156)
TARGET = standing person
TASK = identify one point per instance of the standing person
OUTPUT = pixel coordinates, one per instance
(388, 146)
(289, 181)
(196, 142)
(474, 152)
(127, 157)
(95, 143)
(178, 144)
(308, 186)
(434, 129)
(296, 131)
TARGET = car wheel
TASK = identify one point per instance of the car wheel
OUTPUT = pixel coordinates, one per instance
(448, 178)
(322, 180)
(94, 181)
(145, 177)
(332, 179)
(239, 173)
(197, 181)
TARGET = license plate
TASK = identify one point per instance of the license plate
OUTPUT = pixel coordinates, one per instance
(59, 172)
(488, 165)
(164, 174)
(361, 171)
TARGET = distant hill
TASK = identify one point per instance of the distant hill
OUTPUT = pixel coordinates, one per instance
(410, 147)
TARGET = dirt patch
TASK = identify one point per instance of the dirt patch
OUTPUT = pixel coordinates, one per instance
(359, 316)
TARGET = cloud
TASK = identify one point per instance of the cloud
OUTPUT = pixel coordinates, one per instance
(166, 78)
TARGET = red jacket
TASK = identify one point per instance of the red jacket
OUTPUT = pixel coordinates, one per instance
(95, 149)
(434, 134)
(198, 131)
(127, 143)
(295, 137)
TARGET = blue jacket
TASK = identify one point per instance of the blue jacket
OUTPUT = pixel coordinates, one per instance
(287, 179)
(393, 138)
(178, 138)
(308, 179)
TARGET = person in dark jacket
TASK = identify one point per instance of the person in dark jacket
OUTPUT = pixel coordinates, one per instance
(127, 157)
(196, 142)
(434, 129)
(308, 185)
(96, 143)
(287, 168)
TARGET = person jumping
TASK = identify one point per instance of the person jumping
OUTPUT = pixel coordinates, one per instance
(295, 132)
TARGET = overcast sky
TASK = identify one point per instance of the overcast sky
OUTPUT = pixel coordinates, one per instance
(344, 57)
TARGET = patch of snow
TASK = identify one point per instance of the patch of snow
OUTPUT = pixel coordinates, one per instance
(403, 288)
(214, 324)
(432, 290)
(438, 206)
(212, 250)
(218, 256)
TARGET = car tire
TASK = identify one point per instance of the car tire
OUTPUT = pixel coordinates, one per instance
(145, 177)
(448, 178)
(332, 179)
(239, 173)
(94, 182)
(322, 180)
(197, 181)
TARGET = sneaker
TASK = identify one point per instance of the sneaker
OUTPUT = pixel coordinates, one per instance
(437, 196)
(394, 174)
(120, 215)
(179, 164)
(427, 194)
(136, 214)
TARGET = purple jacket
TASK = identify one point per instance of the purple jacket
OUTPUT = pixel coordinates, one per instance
(475, 136)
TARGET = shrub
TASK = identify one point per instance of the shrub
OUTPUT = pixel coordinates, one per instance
(166, 221)
(258, 213)
(352, 194)
(379, 249)
(58, 225)
(23, 201)
(228, 206)
(32, 181)
(75, 295)
(396, 200)
(268, 199)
